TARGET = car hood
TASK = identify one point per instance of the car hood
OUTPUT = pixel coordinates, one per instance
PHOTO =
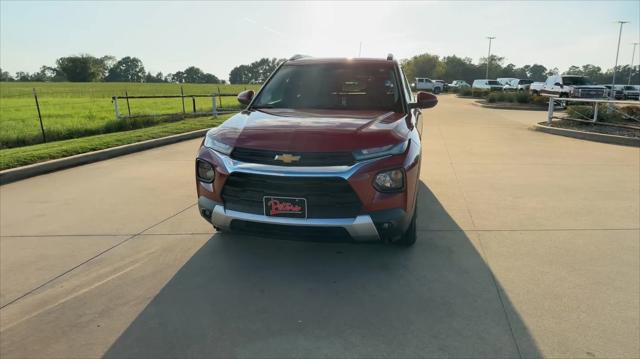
(312, 130)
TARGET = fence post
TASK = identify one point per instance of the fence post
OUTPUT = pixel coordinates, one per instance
(193, 101)
(595, 113)
(219, 97)
(35, 96)
(550, 113)
(182, 96)
(126, 94)
(115, 107)
(214, 110)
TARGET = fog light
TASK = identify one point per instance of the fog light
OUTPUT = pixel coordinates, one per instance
(204, 171)
(389, 181)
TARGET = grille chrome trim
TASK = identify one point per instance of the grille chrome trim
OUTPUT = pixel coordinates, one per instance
(345, 172)
(293, 159)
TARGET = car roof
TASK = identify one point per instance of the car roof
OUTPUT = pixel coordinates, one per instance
(339, 60)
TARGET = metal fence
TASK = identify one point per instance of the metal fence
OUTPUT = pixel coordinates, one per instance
(555, 102)
(216, 104)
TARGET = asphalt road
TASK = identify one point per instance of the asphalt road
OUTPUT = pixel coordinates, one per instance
(528, 246)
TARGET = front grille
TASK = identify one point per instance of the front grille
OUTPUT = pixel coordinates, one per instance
(306, 158)
(330, 197)
(299, 233)
(587, 93)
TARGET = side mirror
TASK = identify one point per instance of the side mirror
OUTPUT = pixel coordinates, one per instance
(245, 97)
(424, 100)
(558, 84)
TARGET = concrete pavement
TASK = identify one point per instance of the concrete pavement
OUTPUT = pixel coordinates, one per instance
(528, 246)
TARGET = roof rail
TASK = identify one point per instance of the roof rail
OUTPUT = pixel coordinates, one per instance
(297, 57)
(390, 57)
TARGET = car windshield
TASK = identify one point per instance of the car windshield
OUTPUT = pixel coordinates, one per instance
(493, 82)
(344, 86)
(629, 88)
(576, 81)
(525, 82)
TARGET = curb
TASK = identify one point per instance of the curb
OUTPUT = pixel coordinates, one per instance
(36, 169)
(517, 107)
(591, 136)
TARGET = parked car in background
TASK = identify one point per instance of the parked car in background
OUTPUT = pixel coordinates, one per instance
(426, 84)
(459, 84)
(445, 86)
(519, 85)
(631, 93)
(572, 86)
(619, 92)
(505, 80)
(486, 85)
(535, 88)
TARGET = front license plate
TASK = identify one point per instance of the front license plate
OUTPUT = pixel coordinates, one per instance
(285, 207)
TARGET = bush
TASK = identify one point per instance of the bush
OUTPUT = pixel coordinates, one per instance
(466, 91)
(523, 97)
(493, 98)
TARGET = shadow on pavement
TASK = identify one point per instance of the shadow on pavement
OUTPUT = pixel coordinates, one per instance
(241, 296)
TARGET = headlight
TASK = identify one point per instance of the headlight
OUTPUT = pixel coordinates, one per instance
(204, 171)
(217, 145)
(389, 181)
(380, 151)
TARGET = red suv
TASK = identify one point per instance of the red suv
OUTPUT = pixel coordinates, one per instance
(326, 147)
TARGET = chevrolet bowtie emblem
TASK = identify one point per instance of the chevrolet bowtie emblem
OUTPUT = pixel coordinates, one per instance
(287, 158)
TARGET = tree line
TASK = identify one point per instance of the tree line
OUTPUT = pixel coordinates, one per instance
(451, 68)
(88, 68)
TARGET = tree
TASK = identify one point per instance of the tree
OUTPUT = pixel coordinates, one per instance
(536, 72)
(83, 68)
(495, 66)
(151, 78)
(5, 76)
(424, 65)
(193, 74)
(23, 76)
(127, 69)
(255, 72)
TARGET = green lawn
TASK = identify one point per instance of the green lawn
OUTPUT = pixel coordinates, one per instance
(20, 156)
(73, 110)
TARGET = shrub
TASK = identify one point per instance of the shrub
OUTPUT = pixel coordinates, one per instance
(466, 91)
(539, 100)
(523, 97)
(493, 98)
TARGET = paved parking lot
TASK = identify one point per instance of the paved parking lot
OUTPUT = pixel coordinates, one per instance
(528, 246)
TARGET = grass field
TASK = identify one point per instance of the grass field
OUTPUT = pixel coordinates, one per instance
(73, 110)
(21, 156)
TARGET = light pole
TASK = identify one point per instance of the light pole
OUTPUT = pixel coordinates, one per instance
(612, 93)
(633, 55)
(489, 55)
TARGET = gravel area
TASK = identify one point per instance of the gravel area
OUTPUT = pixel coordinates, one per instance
(597, 128)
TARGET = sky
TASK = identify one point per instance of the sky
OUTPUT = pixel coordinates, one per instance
(169, 36)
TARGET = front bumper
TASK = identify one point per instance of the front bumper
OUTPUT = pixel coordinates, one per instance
(380, 225)
(360, 228)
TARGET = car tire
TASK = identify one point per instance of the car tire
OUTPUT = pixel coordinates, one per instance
(409, 237)
(436, 90)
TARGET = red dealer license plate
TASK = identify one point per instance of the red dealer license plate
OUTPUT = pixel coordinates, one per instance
(285, 207)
